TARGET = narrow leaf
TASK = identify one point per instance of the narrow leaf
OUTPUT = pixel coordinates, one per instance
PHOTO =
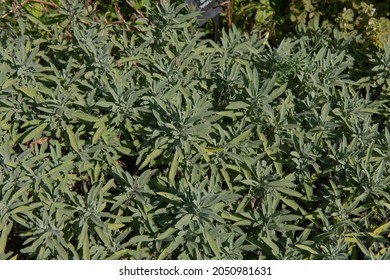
(35, 133)
(170, 196)
(166, 234)
(240, 138)
(174, 166)
(72, 139)
(85, 117)
(307, 248)
(213, 244)
(151, 157)
(4, 236)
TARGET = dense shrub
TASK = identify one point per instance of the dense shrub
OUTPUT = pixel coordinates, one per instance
(141, 140)
(368, 20)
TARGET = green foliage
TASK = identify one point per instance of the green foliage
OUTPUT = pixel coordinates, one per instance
(140, 140)
(367, 19)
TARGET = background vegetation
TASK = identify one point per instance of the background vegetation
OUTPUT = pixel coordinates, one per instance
(126, 134)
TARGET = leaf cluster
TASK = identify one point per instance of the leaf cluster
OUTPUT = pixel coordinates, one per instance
(141, 140)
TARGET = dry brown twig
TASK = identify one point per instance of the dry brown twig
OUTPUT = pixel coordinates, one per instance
(16, 7)
(121, 20)
(229, 11)
(39, 141)
(120, 17)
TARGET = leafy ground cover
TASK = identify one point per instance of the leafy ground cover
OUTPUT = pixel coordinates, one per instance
(143, 140)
